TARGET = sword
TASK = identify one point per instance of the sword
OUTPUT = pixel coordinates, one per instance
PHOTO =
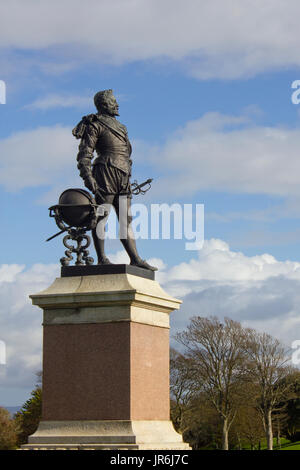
(137, 188)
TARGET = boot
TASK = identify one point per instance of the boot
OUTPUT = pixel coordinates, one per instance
(135, 260)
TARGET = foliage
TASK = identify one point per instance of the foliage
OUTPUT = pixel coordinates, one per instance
(8, 431)
(29, 416)
(292, 424)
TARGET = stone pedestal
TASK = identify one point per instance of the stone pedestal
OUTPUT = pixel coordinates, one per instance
(106, 363)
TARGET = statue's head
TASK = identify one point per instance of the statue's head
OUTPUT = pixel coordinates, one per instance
(106, 103)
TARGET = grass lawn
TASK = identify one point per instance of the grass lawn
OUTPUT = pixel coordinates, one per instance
(285, 445)
(291, 446)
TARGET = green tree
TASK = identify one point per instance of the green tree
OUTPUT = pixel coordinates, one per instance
(29, 416)
(292, 425)
(8, 431)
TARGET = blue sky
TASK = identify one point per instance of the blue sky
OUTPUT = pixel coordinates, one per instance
(204, 89)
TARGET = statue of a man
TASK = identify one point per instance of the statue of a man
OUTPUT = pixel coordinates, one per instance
(109, 176)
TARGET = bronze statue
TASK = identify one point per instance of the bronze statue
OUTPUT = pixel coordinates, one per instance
(108, 177)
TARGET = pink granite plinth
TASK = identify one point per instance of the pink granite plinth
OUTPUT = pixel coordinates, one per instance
(106, 371)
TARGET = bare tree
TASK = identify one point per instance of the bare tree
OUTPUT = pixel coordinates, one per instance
(268, 368)
(216, 355)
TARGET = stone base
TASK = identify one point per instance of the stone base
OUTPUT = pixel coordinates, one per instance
(106, 435)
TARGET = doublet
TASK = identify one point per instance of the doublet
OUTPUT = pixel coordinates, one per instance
(108, 137)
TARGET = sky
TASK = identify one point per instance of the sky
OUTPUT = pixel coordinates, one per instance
(205, 90)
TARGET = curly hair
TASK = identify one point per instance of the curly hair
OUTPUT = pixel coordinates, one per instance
(102, 98)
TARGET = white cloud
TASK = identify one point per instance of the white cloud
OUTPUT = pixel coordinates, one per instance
(228, 153)
(121, 257)
(259, 291)
(217, 263)
(223, 39)
(8, 272)
(38, 157)
(55, 100)
(20, 324)
(218, 269)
